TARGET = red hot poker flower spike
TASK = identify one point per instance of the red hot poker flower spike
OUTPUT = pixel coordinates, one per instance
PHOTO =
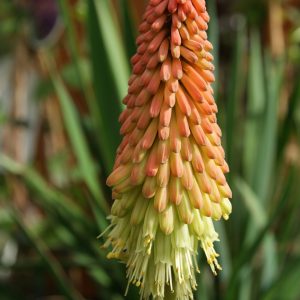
(168, 180)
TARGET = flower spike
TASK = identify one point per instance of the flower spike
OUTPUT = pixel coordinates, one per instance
(168, 181)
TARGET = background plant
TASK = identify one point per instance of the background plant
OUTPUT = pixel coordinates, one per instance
(61, 86)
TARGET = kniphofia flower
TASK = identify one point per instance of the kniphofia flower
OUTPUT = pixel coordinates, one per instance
(168, 180)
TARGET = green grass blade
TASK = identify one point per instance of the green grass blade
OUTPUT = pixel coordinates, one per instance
(286, 287)
(245, 285)
(202, 290)
(250, 250)
(50, 261)
(80, 71)
(267, 145)
(73, 45)
(266, 158)
(252, 202)
(223, 248)
(287, 126)
(258, 220)
(78, 141)
(291, 223)
(109, 89)
(128, 28)
(235, 89)
(61, 210)
(113, 44)
(255, 106)
(52, 198)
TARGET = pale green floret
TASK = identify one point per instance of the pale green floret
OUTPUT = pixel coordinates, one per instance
(162, 265)
(226, 208)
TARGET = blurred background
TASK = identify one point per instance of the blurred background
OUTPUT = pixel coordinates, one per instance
(64, 67)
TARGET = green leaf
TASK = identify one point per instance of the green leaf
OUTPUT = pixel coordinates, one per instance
(287, 126)
(263, 184)
(81, 76)
(93, 268)
(52, 198)
(80, 147)
(50, 261)
(267, 144)
(128, 27)
(223, 248)
(247, 252)
(59, 208)
(73, 47)
(255, 106)
(286, 287)
(109, 86)
(113, 44)
(258, 220)
(235, 88)
(69, 73)
(252, 202)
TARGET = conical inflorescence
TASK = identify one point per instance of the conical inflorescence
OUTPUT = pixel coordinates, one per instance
(168, 180)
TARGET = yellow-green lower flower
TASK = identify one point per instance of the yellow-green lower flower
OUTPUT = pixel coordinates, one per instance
(160, 262)
(168, 180)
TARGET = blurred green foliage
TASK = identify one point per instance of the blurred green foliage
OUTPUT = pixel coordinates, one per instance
(258, 95)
